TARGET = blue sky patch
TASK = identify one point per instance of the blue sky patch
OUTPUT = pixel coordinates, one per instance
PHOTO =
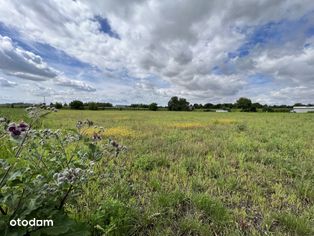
(105, 27)
(259, 79)
(276, 33)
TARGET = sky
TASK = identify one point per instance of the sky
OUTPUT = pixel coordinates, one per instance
(143, 51)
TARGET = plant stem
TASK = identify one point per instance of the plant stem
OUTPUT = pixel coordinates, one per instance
(23, 141)
(18, 204)
(3, 211)
(65, 197)
(5, 175)
(72, 155)
(16, 155)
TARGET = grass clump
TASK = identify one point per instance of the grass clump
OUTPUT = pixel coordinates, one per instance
(213, 210)
(295, 225)
(116, 218)
(148, 162)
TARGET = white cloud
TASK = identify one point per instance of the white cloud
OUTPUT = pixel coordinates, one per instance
(76, 84)
(295, 68)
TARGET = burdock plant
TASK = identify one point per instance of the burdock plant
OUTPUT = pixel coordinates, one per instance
(41, 171)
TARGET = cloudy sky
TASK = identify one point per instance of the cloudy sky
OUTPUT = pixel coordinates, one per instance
(143, 51)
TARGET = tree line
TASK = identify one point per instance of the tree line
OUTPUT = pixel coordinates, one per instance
(181, 104)
(174, 104)
(243, 104)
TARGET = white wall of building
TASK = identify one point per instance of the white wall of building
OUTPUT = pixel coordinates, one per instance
(303, 109)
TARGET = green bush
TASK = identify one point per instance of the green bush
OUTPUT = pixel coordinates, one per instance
(77, 105)
(42, 171)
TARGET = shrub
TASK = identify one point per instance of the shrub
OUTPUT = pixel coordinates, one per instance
(76, 104)
(43, 170)
(153, 106)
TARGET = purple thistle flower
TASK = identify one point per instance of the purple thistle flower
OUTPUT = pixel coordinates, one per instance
(16, 132)
(11, 127)
(23, 127)
(96, 136)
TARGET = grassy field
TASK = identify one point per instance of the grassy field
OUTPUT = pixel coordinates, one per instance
(198, 173)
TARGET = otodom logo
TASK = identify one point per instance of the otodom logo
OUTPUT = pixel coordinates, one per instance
(32, 222)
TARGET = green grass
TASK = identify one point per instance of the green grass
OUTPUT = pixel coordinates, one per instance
(194, 173)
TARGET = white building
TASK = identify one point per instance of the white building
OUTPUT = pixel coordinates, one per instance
(221, 110)
(303, 109)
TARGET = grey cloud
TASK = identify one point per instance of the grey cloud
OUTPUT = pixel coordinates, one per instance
(7, 83)
(21, 63)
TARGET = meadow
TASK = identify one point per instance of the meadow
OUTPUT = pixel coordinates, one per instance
(196, 173)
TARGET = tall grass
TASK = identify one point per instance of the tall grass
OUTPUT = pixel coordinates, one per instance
(189, 173)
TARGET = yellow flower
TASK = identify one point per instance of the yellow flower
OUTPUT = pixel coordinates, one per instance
(119, 132)
(110, 132)
(225, 122)
(187, 125)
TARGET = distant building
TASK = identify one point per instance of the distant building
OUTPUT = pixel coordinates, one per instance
(221, 110)
(303, 109)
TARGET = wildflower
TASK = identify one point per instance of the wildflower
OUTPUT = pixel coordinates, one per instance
(113, 143)
(79, 124)
(28, 109)
(69, 175)
(34, 112)
(96, 136)
(18, 131)
(23, 127)
(3, 120)
(88, 122)
(117, 146)
(119, 132)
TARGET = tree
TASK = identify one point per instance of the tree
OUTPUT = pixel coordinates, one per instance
(77, 105)
(153, 106)
(58, 105)
(92, 106)
(197, 106)
(244, 103)
(178, 104)
(139, 105)
(209, 106)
